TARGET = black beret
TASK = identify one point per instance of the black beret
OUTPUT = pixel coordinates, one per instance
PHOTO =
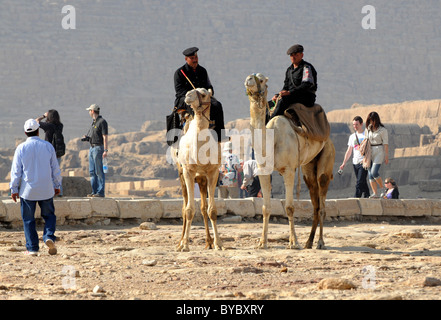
(295, 49)
(190, 51)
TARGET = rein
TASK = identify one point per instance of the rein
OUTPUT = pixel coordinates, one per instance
(201, 103)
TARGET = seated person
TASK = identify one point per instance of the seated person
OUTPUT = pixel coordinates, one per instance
(300, 83)
(199, 78)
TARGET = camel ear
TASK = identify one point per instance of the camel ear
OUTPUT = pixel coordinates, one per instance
(266, 78)
(210, 92)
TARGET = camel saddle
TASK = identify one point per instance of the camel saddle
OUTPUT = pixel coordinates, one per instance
(309, 122)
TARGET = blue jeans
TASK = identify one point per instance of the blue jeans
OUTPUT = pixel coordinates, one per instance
(361, 186)
(97, 177)
(28, 215)
(373, 171)
(61, 187)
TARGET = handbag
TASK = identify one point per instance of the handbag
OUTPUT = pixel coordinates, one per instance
(365, 150)
(172, 122)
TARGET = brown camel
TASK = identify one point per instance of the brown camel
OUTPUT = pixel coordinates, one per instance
(198, 160)
(290, 151)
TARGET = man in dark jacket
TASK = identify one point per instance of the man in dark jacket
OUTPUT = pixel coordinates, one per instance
(199, 78)
(300, 83)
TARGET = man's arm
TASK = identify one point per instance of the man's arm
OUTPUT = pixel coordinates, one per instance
(105, 145)
(347, 156)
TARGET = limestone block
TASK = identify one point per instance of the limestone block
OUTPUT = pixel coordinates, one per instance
(104, 207)
(240, 207)
(417, 207)
(172, 208)
(436, 208)
(277, 209)
(62, 208)
(2, 210)
(331, 208)
(370, 207)
(302, 209)
(80, 208)
(143, 209)
(12, 209)
(393, 207)
(348, 207)
(221, 206)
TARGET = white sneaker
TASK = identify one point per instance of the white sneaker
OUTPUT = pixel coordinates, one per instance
(51, 246)
(374, 196)
(31, 253)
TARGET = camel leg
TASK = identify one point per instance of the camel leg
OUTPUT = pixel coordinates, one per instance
(288, 178)
(212, 210)
(184, 205)
(188, 211)
(309, 177)
(265, 183)
(202, 182)
(319, 175)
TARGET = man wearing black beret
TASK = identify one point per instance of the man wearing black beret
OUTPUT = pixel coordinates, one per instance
(198, 76)
(300, 83)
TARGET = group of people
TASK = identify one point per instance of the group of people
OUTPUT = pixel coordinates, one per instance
(377, 135)
(36, 175)
(237, 179)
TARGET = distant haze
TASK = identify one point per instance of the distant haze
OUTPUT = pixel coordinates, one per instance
(122, 55)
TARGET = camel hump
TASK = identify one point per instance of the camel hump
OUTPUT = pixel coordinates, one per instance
(312, 121)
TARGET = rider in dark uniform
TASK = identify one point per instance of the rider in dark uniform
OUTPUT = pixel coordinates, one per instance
(199, 77)
(300, 83)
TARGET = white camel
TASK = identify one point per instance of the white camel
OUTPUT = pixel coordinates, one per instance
(291, 151)
(200, 157)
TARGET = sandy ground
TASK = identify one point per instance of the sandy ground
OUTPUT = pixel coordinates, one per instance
(385, 259)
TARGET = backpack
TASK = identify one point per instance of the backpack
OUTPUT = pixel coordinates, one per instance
(58, 143)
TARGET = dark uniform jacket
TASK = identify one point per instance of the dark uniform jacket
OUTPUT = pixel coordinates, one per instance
(198, 77)
(301, 80)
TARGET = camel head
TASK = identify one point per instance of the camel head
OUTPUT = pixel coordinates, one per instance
(255, 84)
(198, 99)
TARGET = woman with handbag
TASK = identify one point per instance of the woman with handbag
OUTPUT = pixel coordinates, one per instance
(378, 138)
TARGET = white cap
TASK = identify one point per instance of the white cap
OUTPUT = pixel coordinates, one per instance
(31, 125)
(228, 146)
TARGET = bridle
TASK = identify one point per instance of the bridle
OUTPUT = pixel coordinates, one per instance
(201, 103)
(259, 96)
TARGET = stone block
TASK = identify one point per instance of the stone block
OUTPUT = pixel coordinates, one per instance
(80, 208)
(277, 209)
(172, 208)
(331, 208)
(436, 207)
(143, 209)
(62, 208)
(2, 210)
(348, 207)
(12, 210)
(240, 207)
(370, 207)
(302, 208)
(417, 207)
(104, 207)
(392, 207)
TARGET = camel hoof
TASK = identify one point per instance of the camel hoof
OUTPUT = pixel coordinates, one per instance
(321, 246)
(295, 247)
(308, 245)
(262, 246)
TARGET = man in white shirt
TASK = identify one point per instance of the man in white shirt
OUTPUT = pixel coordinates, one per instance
(251, 181)
(36, 178)
(354, 142)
